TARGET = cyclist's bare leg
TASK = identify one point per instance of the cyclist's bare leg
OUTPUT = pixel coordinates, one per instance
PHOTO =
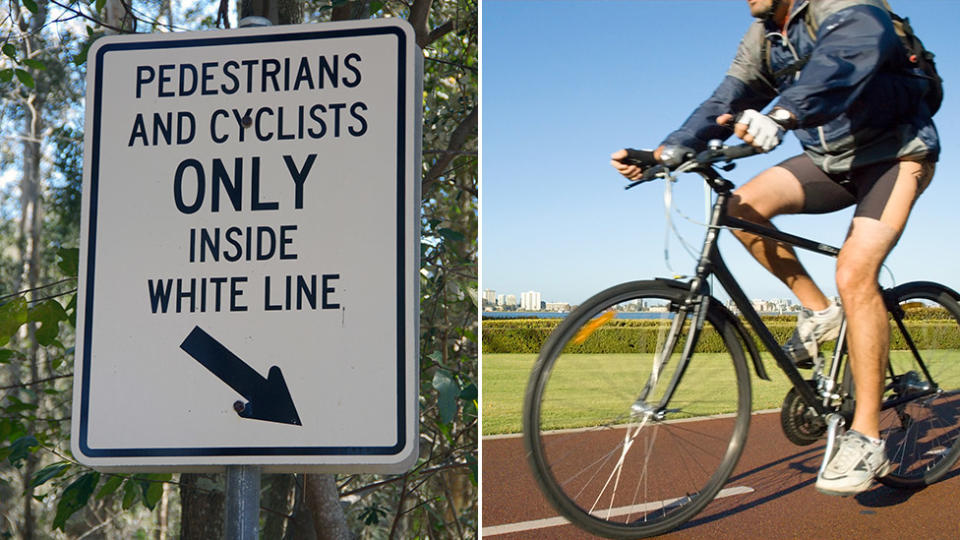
(774, 192)
(858, 266)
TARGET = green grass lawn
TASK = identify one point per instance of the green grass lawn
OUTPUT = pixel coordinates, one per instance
(505, 379)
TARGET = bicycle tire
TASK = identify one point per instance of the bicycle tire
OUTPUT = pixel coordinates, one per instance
(578, 402)
(922, 436)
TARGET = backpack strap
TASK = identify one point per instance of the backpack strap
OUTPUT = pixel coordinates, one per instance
(811, 22)
(812, 25)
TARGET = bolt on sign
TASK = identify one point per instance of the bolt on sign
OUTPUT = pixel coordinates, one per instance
(248, 290)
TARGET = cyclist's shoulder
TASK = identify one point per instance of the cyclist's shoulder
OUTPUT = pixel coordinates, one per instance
(819, 10)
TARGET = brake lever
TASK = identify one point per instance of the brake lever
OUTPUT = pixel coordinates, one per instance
(648, 175)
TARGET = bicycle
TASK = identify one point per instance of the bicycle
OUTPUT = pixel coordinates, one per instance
(613, 403)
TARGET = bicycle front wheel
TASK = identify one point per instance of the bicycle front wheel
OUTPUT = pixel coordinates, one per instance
(621, 444)
(921, 421)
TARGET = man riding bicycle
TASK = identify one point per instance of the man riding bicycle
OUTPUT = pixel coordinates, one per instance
(855, 102)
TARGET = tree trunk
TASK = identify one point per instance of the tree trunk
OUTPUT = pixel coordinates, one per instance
(278, 11)
(277, 504)
(352, 9)
(30, 216)
(323, 500)
(30, 244)
(300, 526)
(117, 17)
(163, 513)
(202, 506)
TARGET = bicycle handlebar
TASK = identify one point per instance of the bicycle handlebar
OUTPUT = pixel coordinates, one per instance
(729, 153)
(690, 163)
(640, 158)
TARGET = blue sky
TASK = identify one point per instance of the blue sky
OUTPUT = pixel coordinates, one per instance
(565, 83)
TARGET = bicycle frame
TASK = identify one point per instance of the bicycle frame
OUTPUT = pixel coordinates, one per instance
(712, 263)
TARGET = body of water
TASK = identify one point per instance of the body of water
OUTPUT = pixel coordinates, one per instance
(560, 315)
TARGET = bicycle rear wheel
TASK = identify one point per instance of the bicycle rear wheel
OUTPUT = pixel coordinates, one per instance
(606, 452)
(922, 433)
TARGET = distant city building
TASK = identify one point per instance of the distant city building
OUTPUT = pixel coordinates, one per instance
(510, 300)
(777, 305)
(500, 300)
(632, 306)
(530, 301)
(490, 296)
(557, 306)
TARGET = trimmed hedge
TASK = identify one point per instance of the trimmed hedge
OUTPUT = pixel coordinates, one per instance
(641, 335)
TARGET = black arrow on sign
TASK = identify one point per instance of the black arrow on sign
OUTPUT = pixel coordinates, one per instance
(267, 399)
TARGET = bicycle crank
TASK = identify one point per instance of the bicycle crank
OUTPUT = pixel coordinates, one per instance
(835, 423)
(800, 423)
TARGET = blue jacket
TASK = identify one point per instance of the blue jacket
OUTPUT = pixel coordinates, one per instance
(857, 99)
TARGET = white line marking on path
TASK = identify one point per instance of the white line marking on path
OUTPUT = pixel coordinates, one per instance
(557, 521)
(577, 430)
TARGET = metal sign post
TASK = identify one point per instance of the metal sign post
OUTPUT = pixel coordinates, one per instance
(243, 502)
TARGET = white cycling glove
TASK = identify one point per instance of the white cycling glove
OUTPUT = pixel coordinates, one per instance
(767, 133)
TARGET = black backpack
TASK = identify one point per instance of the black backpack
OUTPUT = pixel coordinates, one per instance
(917, 55)
(920, 57)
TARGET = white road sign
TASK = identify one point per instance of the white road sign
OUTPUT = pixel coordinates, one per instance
(249, 250)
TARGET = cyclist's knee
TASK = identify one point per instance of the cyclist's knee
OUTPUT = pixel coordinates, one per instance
(739, 207)
(851, 283)
(773, 192)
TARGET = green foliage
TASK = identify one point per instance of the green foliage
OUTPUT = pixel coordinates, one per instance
(151, 487)
(69, 261)
(48, 314)
(54, 470)
(75, 497)
(13, 315)
(25, 78)
(20, 449)
(372, 514)
(447, 391)
(37, 327)
(630, 335)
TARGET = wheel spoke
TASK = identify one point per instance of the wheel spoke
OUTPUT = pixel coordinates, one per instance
(637, 473)
(922, 434)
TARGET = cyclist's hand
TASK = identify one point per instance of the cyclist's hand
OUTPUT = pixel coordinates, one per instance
(629, 170)
(756, 129)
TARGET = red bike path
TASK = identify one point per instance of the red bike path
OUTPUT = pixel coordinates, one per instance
(780, 500)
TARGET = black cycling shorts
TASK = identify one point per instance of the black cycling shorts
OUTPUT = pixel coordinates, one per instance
(869, 187)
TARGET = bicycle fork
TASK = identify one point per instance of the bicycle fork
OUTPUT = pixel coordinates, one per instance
(700, 304)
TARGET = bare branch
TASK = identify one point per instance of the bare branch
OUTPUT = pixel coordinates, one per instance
(439, 32)
(419, 14)
(48, 285)
(466, 130)
(36, 382)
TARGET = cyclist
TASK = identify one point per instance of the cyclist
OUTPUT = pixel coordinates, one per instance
(849, 95)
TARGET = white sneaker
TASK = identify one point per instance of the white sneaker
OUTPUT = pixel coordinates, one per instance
(853, 467)
(813, 329)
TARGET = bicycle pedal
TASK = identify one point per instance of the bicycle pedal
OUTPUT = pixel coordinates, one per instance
(810, 363)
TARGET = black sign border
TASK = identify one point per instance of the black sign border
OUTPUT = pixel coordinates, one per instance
(228, 451)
